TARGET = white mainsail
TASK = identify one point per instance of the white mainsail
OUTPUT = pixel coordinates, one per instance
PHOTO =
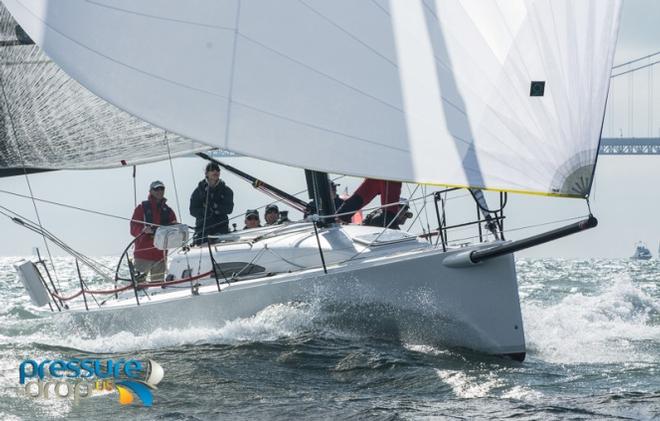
(505, 95)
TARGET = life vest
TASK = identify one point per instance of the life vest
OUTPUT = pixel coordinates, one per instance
(149, 216)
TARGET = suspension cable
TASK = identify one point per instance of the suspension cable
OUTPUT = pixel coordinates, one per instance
(635, 60)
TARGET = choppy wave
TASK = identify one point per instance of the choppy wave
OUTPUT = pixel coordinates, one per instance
(614, 321)
(592, 328)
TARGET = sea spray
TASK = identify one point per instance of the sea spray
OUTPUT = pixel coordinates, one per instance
(603, 324)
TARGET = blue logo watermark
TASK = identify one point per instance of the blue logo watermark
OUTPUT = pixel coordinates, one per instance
(80, 378)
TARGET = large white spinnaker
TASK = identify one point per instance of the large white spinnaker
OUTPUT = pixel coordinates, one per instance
(505, 95)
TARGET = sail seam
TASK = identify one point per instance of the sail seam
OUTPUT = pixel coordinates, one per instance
(314, 126)
(466, 85)
(498, 91)
(532, 115)
(353, 37)
(132, 12)
(144, 72)
(444, 99)
(231, 74)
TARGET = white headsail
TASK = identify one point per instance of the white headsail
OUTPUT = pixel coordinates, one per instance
(506, 95)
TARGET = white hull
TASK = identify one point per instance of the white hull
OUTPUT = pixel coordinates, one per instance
(409, 296)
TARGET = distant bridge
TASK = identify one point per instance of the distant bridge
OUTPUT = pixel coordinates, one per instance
(630, 146)
(631, 125)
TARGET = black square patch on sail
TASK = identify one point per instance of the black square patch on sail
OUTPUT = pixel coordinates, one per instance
(537, 88)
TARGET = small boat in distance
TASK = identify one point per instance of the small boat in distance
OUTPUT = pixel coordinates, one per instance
(641, 252)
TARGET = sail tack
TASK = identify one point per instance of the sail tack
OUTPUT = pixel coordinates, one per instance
(505, 94)
(49, 121)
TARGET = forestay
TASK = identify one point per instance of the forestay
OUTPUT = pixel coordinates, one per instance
(506, 95)
(49, 121)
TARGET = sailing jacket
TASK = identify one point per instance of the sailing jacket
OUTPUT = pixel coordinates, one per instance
(150, 212)
(214, 202)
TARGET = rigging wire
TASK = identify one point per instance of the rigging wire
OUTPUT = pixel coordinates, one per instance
(27, 180)
(425, 190)
(206, 204)
(417, 210)
(202, 275)
(418, 217)
(510, 230)
(176, 190)
(34, 227)
(134, 187)
(167, 283)
(123, 218)
(381, 233)
(64, 205)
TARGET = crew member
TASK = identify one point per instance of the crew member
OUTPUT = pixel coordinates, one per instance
(272, 214)
(375, 218)
(389, 192)
(210, 204)
(252, 219)
(153, 212)
(311, 206)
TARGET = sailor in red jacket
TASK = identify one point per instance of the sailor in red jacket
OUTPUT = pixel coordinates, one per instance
(389, 191)
(150, 214)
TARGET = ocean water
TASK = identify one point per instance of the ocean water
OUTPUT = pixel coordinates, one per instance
(592, 328)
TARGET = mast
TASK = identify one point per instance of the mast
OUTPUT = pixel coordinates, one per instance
(318, 187)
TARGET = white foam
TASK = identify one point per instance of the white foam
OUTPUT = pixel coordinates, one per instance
(426, 349)
(523, 393)
(600, 328)
(272, 323)
(465, 386)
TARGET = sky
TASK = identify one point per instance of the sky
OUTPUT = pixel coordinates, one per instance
(625, 196)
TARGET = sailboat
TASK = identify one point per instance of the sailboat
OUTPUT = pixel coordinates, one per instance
(641, 252)
(501, 96)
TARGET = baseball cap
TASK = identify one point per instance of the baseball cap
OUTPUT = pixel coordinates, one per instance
(272, 207)
(251, 212)
(156, 184)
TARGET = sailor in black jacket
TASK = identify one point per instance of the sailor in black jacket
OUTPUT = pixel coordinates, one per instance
(210, 204)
